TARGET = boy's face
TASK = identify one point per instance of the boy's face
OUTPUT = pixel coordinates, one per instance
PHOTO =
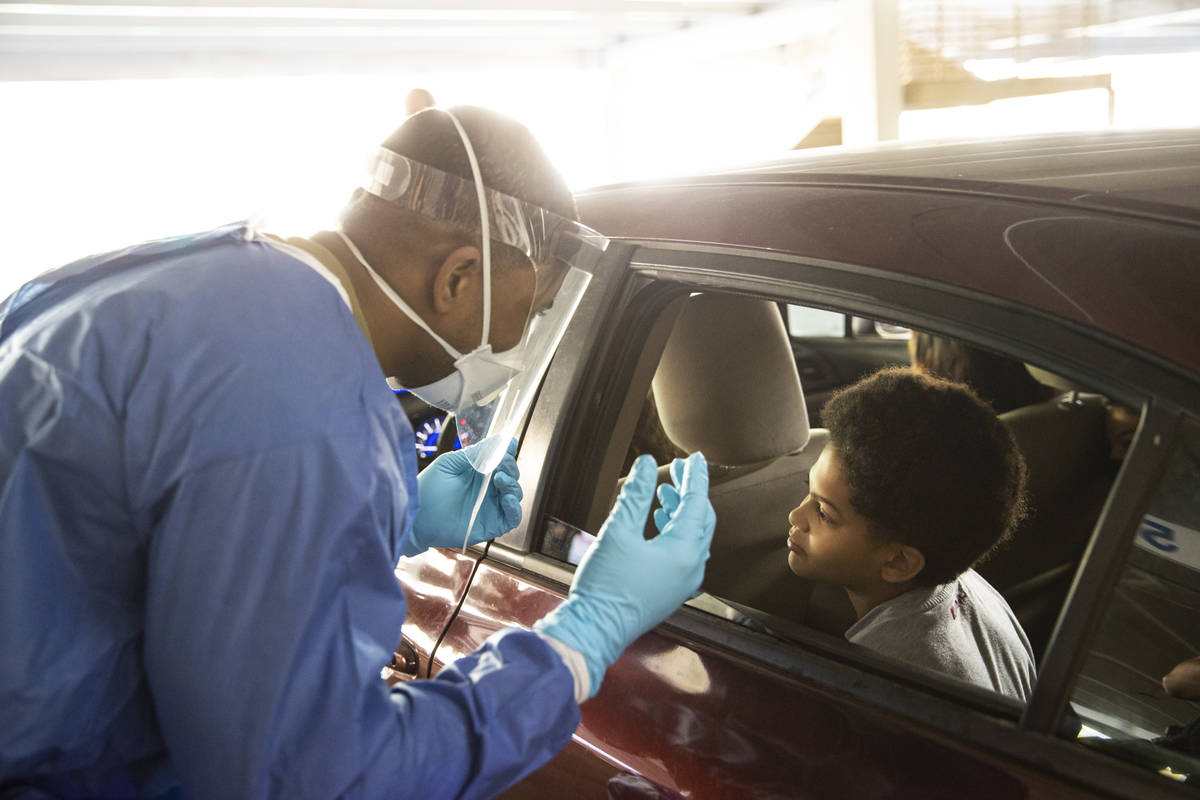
(829, 541)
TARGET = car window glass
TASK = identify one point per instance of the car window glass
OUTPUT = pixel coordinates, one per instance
(743, 418)
(804, 321)
(565, 542)
(1151, 632)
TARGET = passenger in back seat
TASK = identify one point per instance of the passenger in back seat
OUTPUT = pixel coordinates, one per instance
(1001, 382)
(919, 480)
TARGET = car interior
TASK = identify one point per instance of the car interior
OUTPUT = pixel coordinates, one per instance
(761, 444)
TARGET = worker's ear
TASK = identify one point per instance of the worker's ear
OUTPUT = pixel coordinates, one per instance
(903, 564)
(458, 278)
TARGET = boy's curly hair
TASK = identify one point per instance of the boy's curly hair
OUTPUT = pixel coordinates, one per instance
(928, 464)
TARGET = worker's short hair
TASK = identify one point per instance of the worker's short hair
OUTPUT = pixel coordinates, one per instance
(510, 160)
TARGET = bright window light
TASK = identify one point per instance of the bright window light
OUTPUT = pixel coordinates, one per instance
(93, 166)
(289, 12)
(1142, 99)
(1064, 111)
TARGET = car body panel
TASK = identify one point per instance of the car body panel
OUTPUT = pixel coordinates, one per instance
(675, 719)
(432, 584)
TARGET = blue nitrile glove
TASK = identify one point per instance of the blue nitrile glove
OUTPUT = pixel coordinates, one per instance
(447, 490)
(626, 584)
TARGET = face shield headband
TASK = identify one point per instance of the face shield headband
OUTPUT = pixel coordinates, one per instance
(541, 235)
(490, 393)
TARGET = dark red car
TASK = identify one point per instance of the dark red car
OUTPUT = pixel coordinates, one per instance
(728, 308)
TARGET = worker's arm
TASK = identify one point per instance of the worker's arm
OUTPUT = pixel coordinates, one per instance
(271, 608)
(274, 477)
(626, 584)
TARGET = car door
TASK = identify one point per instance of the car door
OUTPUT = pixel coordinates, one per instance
(707, 706)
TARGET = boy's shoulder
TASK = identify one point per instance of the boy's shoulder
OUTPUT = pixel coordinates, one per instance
(903, 621)
(959, 600)
(964, 628)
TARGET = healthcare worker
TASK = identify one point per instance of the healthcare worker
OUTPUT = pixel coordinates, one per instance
(205, 484)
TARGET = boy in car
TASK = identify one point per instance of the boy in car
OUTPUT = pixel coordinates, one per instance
(919, 481)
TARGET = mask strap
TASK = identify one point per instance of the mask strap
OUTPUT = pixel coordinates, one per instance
(483, 227)
(395, 298)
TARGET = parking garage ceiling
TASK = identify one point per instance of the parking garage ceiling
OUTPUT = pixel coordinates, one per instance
(160, 38)
(146, 37)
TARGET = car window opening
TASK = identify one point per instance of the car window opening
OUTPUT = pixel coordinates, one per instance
(760, 429)
(719, 389)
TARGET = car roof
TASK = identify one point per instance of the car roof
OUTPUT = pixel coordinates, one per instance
(1123, 256)
(1160, 167)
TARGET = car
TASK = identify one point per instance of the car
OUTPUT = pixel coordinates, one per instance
(428, 424)
(727, 308)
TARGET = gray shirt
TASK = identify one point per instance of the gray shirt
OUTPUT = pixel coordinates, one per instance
(963, 628)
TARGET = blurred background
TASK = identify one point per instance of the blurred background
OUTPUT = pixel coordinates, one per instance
(145, 118)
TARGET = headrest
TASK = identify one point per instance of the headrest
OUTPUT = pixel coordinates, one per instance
(727, 383)
(1061, 439)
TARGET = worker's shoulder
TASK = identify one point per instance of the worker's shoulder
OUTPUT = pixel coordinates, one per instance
(207, 279)
(248, 297)
(233, 290)
(247, 348)
(225, 302)
(248, 273)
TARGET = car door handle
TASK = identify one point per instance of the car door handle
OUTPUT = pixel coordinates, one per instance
(404, 662)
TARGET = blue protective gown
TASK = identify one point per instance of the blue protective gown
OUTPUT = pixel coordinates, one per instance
(204, 484)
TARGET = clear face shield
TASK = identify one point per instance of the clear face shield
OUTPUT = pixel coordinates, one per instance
(496, 419)
(490, 393)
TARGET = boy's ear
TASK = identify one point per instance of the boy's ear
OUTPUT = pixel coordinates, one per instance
(905, 563)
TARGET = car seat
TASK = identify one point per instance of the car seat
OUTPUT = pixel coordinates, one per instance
(1069, 476)
(727, 385)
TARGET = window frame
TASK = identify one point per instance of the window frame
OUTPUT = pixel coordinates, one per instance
(600, 352)
(1103, 560)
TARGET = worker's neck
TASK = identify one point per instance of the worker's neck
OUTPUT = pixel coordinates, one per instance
(404, 350)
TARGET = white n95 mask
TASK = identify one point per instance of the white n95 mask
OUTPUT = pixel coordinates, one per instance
(474, 381)
(443, 394)
(478, 376)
